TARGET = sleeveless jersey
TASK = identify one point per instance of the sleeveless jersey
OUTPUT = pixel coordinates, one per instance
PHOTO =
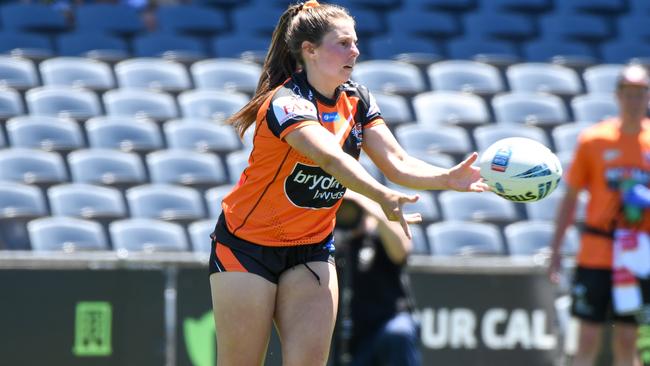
(282, 197)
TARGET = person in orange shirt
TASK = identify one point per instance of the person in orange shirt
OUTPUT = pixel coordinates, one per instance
(608, 156)
(273, 247)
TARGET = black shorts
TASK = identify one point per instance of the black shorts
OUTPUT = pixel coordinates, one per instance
(232, 254)
(591, 296)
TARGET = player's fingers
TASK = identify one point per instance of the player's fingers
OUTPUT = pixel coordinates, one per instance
(470, 159)
(405, 226)
(409, 198)
(413, 218)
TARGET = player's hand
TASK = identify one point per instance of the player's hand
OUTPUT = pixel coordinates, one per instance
(554, 267)
(392, 205)
(467, 178)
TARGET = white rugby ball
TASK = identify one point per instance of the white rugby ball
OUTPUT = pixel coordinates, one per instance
(520, 169)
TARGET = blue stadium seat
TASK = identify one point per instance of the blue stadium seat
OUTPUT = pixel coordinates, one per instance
(543, 77)
(453, 238)
(64, 101)
(199, 232)
(124, 133)
(368, 23)
(115, 18)
(394, 108)
(247, 20)
(602, 78)
(534, 237)
(67, 234)
(210, 104)
(490, 208)
(17, 73)
(191, 19)
(32, 18)
(165, 202)
(565, 136)
(213, 198)
(396, 46)
(417, 138)
(603, 7)
(389, 76)
(44, 132)
(559, 51)
(78, 72)
(241, 45)
(94, 45)
(201, 135)
(147, 235)
(19, 203)
(152, 73)
(419, 240)
(183, 48)
(408, 22)
(134, 102)
(449, 107)
(527, 6)
(484, 136)
(639, 6)
(633, 26)
(466, 76)
(533, 108)
(381, 5)
(87, 201)
(108, 167)
(490, 51)
(11, 103)
(574, 27)
(499, 25)
(32, 166)
(25, 44)
(594, 107)
(624, 51)
(449, 5)
(185, 167)
(236, 162)
(226, 74)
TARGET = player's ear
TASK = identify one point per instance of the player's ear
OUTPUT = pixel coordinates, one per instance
(308, 48)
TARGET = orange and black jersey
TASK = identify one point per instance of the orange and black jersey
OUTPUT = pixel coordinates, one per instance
(282, 197)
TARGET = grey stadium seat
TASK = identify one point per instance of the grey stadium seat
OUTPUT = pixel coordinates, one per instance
(201, 135)
(461, 206)
(226, 74)
(108, 167)
(135, 102)
(210, 104)
(19, 203)
(199, 232)
(189, 168)
(66, 234)
(533, 108)
(451, 238)
(78, 72)
(594, 107)
(213, 198)
(152, 73)
(86, 201)
(543, 77)
(64, 101)
(124, 133)
(389, 76)
(534, 237)
(32, 166)
(484, 136)
(465, 76)
(45, 132)
(18, 73)
(450, 107)
(165, 202)
(147, 235)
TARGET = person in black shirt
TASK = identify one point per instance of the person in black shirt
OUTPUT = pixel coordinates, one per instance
(376, 326)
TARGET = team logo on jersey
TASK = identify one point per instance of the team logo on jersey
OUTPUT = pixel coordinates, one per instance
(357, 133)
(330, 117)
(501, 160)
(286, 108)
(310, 186)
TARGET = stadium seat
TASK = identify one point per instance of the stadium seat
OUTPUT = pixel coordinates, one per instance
(410, 49)
(623, 51)
(115, 168)
(152, 73)
(460, 206)
(594, 107)
(452, 238)
(534, 237)
(394, 108)
(165, 202)
(417, 138)
(201, 135)
(247, 20)
(213, 198)
(87, 201)
(134, 102)
(371, 168)
(77, 72)
(602, 78)
(633, 26)
(449, 107)
(389, 76)
(188, 168)
(120, 19)
(581, 27)
(94, 45)
(236, 162)
(565, 52)
(240, 45)
(31, 166)
(28, 45)
(419, 240)
(565, 136)
(43, 132)
(380, 5)
(11, 103)
(33, 17)
(232, 75)
(66, 234)
(527, 6)
(466, 76)
(63, 101)
(494, 52)
(546, 209)
(435, 158)
(19, 203)
(603, 7)
(484, 136)
(499, 25)
(543, 77)
(199, 232)
(210, 104)
(191, 19)
(425, 205)
(147, 235)
(533, 108)
(181, 48)
(449, 5)
(17, 73)
(421, 22)
(124, 133)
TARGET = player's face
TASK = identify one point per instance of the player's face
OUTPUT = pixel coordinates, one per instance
(335, 57)
(633, 101)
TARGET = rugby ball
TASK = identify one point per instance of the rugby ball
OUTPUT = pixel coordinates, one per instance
(520, 169)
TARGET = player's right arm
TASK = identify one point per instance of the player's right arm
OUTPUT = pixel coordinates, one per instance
(563, 219)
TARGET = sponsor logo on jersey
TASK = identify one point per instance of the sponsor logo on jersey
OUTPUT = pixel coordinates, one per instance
(501, 159)
(286, 108)
(330, 117)
(310, 186)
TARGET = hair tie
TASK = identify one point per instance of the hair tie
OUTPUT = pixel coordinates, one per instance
(310, 4)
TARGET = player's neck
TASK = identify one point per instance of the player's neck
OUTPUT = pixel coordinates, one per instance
(631, 125)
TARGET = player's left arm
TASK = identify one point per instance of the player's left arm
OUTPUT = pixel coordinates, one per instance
(401, 168)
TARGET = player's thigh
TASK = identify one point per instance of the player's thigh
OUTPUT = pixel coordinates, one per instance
(243, 305)
(306, 312)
